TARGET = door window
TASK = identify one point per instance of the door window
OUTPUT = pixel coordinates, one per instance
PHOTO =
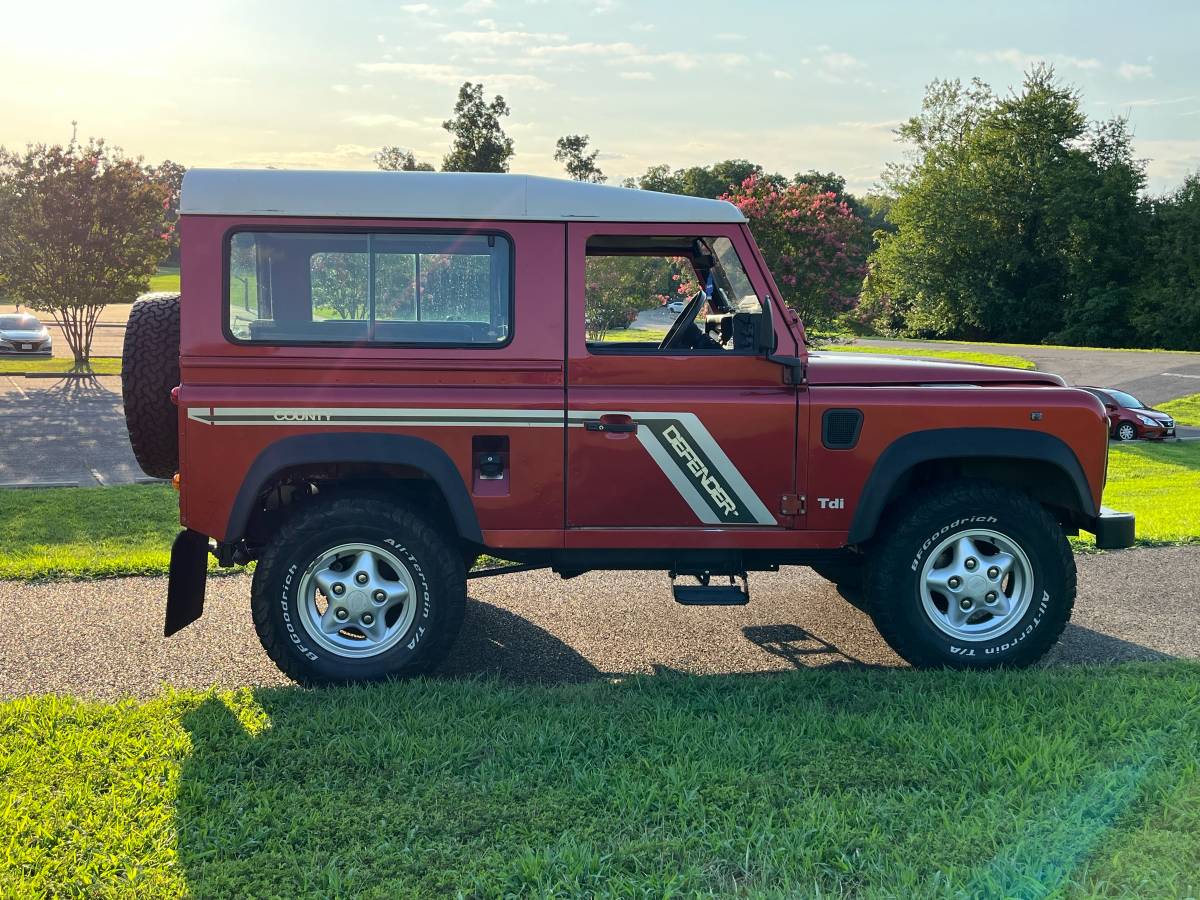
(668, 294)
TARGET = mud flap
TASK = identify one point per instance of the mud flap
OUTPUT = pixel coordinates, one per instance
(185, 586)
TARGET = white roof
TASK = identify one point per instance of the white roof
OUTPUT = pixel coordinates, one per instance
(434, 195)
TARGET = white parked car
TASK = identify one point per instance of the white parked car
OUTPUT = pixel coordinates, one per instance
(22, 334)
(677, 306)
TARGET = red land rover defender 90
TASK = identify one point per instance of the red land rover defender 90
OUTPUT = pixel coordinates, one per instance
(373, 378)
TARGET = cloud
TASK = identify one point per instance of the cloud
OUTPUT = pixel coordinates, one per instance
(636, 76)
(419, 9)
(732, 60)
(1021, 60)
(342, 156)
(781, 75)
(441, 73)
(642, 27)
(500, 38)
(472, 7)
(836, 59)
(375, 120)
(1133, 71)
(1169, 161)
(340, 88)
(1154, 102)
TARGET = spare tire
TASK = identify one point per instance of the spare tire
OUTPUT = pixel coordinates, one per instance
(149, 370)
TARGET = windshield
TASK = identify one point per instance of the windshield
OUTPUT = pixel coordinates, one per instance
(1126, 400)
(18, 323)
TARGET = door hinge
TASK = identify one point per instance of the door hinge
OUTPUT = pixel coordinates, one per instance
(791, 505)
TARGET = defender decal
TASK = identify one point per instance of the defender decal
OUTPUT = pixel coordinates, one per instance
(695, 464)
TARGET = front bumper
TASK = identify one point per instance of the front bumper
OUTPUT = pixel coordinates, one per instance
(1113, 530)
(43, 352)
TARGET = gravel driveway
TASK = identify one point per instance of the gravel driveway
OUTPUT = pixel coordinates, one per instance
(103, 638)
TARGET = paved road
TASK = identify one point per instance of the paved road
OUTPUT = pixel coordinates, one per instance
(64, 430)
(103, 638)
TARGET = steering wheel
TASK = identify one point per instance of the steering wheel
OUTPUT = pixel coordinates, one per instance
(686, 318)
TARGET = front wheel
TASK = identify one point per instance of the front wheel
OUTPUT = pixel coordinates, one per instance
(358, 589)
(971, 576)
(1126, 431)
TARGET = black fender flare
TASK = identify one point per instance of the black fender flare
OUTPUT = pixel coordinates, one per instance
(900, 456)
(356, 447)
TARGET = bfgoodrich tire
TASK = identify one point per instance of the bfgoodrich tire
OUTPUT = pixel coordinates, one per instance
(149, 370)
(970, 576)
(356, 588)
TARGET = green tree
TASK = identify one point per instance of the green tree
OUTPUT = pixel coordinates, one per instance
(571, 151)
(81, 226)
(480, 144)
(1015, 219)
(1166, 306)
(396, 159)
(701, 181)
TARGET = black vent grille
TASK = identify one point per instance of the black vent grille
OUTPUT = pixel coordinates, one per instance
(840, 428)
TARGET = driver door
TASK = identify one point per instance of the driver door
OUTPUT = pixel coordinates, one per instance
(687, 442)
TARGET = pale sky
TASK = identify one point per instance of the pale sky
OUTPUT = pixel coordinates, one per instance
(792, 86)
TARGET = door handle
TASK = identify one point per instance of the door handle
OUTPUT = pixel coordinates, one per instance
(611, 425)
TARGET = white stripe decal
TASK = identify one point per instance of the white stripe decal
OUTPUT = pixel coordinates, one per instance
(374, 416)
(755, 510)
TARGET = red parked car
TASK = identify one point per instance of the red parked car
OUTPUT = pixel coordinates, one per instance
(378, 377)
(1129, 418)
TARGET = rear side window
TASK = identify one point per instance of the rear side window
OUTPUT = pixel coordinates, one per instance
(412, 289)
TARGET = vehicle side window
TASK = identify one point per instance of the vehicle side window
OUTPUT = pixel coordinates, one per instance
(639, 290)
(412, 289)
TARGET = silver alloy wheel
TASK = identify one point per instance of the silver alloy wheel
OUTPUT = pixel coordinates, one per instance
(357, 600)
(976, 585)
(1126, 431)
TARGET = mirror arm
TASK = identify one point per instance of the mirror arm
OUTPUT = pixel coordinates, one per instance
(793, 368)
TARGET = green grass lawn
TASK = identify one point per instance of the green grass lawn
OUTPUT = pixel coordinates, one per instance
(87, 532)
(166, 279)
(1160, 484)
(101, 365)
(1185, 410)
(127, 530)
(825, 782)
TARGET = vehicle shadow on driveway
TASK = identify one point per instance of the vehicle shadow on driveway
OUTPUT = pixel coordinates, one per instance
(62, 429)
(497, 643)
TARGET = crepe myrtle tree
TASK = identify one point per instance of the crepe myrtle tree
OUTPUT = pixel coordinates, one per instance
(813, 242)
(81, 226)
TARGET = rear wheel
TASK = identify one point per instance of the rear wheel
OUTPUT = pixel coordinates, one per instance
(971, 575)
(358, 589)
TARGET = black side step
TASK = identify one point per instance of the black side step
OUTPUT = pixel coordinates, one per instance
(705, 594)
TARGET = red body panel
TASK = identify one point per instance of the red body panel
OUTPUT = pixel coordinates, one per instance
(569, 486)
